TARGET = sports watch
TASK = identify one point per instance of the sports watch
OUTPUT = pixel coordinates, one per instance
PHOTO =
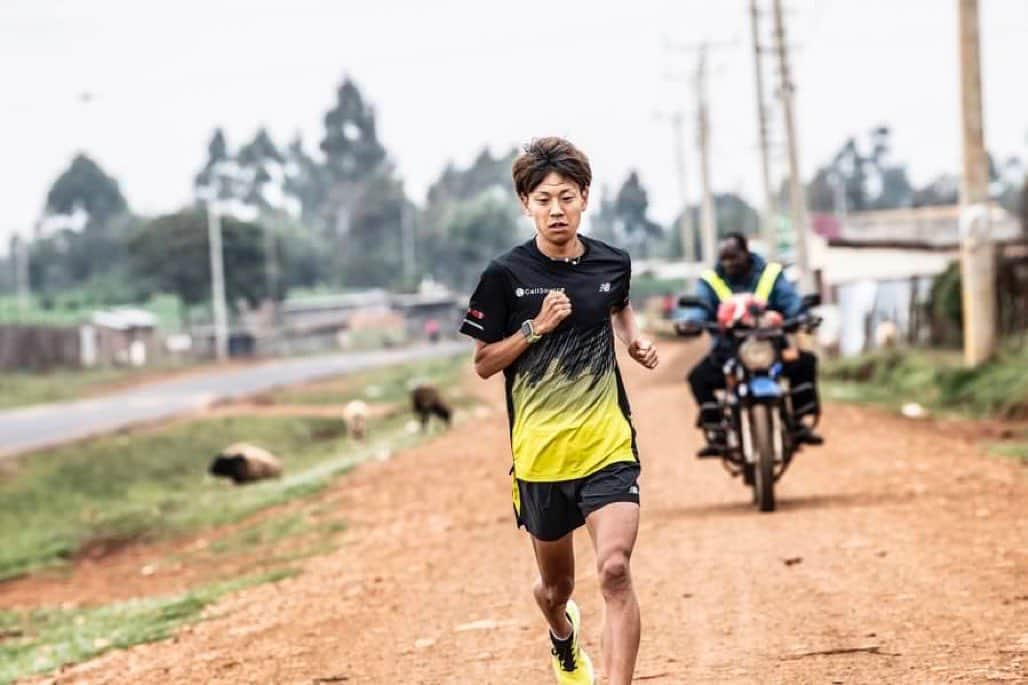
(528, 330)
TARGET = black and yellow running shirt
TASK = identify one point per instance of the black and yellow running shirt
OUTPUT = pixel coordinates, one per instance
(569, 415)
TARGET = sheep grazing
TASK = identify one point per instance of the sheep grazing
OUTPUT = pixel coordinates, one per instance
(427, 401)
(355, 416)
(245, 463)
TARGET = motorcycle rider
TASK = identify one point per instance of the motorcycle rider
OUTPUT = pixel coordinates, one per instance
(740, 271)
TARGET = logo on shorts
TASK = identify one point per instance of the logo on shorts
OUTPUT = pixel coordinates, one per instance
(605, 287)
(634, 490)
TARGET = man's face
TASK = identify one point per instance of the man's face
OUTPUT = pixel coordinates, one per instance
(556, 207)
(734, 260)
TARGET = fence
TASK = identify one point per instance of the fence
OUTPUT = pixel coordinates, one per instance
(38, 348)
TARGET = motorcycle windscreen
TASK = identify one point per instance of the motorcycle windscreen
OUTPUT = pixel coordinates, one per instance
(762, 386)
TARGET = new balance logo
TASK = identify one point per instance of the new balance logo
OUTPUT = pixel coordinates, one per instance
(604, 287)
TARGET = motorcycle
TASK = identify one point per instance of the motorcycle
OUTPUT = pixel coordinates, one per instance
(756, 402)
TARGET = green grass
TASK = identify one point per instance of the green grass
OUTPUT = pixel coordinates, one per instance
(934, 379)
(1011, 450)
(142, 486)
(69, 309)
(264, 533)
(386, 385)
(23, 389)
(41, 640)
(139, 486)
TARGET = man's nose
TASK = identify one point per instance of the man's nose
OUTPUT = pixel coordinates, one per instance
(555, 209)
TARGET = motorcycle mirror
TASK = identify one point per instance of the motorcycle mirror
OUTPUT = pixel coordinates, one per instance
(811, 300)
(692, 301)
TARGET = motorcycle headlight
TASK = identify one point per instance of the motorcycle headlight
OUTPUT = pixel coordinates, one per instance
(757, 354)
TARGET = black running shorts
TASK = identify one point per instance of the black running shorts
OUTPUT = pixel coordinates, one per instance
(549, 511)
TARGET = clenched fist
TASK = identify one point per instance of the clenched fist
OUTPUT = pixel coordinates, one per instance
(556, 307)
(643, 351)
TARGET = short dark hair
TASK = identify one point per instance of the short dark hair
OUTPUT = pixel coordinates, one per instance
(740, 240)
(545, 155)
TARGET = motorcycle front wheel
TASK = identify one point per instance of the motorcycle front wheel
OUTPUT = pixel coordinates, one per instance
(763, 444)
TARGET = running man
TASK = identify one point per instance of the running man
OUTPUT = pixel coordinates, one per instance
(546, 313)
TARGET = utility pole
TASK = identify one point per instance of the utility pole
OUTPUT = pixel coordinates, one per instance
(797, 200)
(977, 254)
(407, 239)
(271, 267)
(217, 278)
(20, 254)
(685, 224)
(767, 227)
(708, 219)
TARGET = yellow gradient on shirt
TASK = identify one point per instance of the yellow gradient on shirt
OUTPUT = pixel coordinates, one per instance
(565, 429)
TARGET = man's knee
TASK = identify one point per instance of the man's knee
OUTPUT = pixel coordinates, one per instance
(555, 592)
(615, 574)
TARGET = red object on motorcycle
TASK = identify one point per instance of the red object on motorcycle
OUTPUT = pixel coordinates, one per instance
(741, 309)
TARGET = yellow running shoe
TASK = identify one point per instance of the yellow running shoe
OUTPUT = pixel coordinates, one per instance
(571, 664)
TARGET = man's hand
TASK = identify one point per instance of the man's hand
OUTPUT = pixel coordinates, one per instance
(556, 307)
(643, 351)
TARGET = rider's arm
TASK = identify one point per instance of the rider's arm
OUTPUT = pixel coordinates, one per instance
(784, 298)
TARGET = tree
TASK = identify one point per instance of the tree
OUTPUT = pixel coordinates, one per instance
(633, 227)
(351, 146)
(856, 182)
(84, 187)
(942, 190)
(468, 212)
(81, 233)
(307, 181)
(479, 230)
(170, 254)
(371, 251)
(733, 214)
(262, 175)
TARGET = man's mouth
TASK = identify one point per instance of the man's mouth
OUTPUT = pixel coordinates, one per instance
(559, 224)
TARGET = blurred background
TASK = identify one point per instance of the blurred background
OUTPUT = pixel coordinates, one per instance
(356, 161)
(263, 220)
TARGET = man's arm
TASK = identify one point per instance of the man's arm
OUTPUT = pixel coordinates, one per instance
(784, 298)
(627, 330)
(493, 357)
(497, 356)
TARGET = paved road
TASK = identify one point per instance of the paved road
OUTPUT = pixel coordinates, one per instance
(40, 426)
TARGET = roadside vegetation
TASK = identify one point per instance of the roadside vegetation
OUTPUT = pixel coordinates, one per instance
(92, 499)
(938, 383)
(45, 639)
(936, 380)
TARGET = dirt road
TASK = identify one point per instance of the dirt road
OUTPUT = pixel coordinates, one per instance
(899, 555)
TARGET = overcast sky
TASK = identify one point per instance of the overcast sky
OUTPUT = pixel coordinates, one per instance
(450, 76)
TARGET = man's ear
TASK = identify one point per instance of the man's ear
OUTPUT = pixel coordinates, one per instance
(585, 198)
(524, 205)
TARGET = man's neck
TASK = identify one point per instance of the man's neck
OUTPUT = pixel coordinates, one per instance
(572, 248)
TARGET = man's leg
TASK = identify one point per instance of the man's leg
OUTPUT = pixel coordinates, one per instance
(704, 379)
(802, 375)
(556, 562)
(613, 529)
